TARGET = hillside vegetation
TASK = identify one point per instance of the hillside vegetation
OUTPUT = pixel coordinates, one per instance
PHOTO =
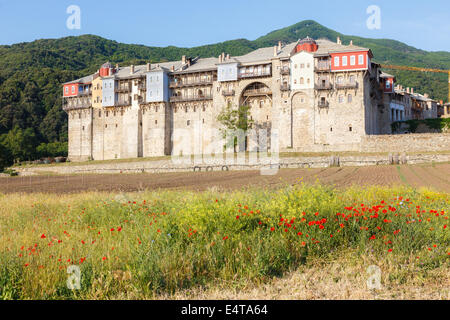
(31, 75)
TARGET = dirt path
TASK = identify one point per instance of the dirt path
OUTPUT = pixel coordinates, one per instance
(434, 176)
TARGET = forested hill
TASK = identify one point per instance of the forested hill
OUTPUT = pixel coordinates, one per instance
(31, 75)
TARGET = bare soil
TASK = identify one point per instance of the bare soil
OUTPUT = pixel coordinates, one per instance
(434, 176)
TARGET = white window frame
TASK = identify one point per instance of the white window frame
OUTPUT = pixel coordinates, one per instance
(344, 61)
(336, 61)
(361, 59)
(352, 60)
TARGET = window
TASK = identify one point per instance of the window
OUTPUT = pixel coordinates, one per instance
(388, 84)
(302, 65)
(261, 103)
(73, 89)
(352, 79)
(295, 81)
(302, 81)
(99, 114)
(340, 79)
(188, 122)
(156, 121)
(350, 128)
(295, 66)
(336, 61)
(308, 81)
(344, 61)
(308, 65)
(67, 89)
(341, 99)
(349, 98)
(361, 59)
(352, 60)
(150, 79)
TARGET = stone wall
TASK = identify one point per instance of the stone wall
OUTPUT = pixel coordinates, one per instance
(426, 142)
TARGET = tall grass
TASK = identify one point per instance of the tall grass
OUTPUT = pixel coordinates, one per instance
(141, 245)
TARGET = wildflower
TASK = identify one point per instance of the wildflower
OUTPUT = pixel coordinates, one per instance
(43, 236)
(390, 250)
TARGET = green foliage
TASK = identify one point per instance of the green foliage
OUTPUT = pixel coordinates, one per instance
(52, 149)
(31, 73)
(21, 143)
(439, 124)
(235, 119)
(6, 158)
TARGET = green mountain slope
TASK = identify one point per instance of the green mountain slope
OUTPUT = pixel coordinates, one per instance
(31, 73)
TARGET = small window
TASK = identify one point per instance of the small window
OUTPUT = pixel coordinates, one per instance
(350, 129)
(341, 99)
(302, 66)
(66, 89)
(331, 129)
(106, 126)
(83, 128)
(203, 120)
(302, 81)
(352, 60)
(73, 89)
(99, 114)
(336, 61)
(188, 122)
(156, 121)
(308, 65)
(344, 61)
(350, 98)
(361, 59)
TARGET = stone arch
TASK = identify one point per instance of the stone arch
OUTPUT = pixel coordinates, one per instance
(258, 96)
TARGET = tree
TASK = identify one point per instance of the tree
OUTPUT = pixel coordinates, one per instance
(21, 143)
(5, 158)
(234, 120)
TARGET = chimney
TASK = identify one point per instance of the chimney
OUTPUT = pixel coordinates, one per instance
(220, 59)
(407, 90)
(412, 90)
(223, 56)
(132, 69)
(275, 51)
(148, 66)
(339, 40)
(228, 56)
(351, 42)
(426, 95)
(279, 45)
(173, 68)
(183, 59)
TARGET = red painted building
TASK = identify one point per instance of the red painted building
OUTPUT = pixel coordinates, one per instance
(70, 90)
(356, 60)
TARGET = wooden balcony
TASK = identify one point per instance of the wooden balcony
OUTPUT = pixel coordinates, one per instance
(122, 89)
(322, 67)
(285, 87)
(254, 74)
(322, 86)
(77, 106)
(199, 82)
(122, 103)
(348, 85)
(257, 92)
(190, 98)
(84, 93)
(228, 93)
(142, 86)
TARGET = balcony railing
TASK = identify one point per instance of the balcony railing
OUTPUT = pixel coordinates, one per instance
(348, 85)
(323, 104)
(122, 103)
(199, 82)
(257, 92)
(84, 93)
(322, 86)
(322, 67)
(228, 93)
(122, 89)
(78, 106)
(285, 71)
(255, 74)
(190, 98)
(142, 86)
(285, 87)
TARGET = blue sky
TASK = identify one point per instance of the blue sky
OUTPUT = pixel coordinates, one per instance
(422, 24)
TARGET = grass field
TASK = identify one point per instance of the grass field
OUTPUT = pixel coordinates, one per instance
(301, 241)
